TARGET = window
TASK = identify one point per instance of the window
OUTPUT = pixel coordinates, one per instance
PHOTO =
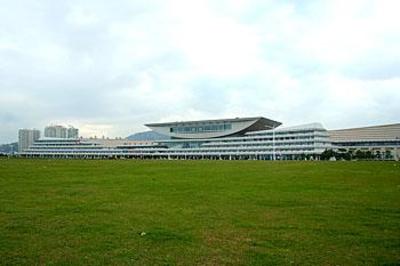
(218, 127)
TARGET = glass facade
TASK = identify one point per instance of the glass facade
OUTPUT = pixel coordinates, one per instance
(204, 128)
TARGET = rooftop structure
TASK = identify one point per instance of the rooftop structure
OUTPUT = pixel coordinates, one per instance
(213, 128)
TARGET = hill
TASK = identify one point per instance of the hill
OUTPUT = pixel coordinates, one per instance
(9, 148)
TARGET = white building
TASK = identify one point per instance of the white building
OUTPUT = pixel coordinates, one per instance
(72, 133)
(26, 137)
(55, 131)
(253, 138)
(58, 131)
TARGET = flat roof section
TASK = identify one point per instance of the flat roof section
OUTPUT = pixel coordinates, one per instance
(379, 132)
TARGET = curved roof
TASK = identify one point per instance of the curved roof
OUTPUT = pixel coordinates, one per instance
(311, 126)
(213, 128)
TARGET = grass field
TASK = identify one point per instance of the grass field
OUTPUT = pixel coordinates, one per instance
(199, 212)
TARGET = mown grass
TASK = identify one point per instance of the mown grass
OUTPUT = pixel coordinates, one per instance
(199, 212)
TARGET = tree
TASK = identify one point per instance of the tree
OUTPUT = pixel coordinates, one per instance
(346, 156)
(327, 154)
(360, 154)
(388, 155)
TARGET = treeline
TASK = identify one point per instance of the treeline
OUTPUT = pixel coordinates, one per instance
(343, 154)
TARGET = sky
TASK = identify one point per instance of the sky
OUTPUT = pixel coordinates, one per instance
(109, 67)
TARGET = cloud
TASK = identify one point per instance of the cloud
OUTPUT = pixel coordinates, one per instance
(108, 68)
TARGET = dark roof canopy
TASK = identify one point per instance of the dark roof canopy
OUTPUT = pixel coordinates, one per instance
(237, 119)
(239, 126)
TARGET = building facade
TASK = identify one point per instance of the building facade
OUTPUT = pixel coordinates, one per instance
(255, 138)
(26, 138)
(72, 133)
(58, 131)
(55, 131)
(383, 141)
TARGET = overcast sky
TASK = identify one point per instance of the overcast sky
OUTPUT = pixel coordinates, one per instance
(108, 67)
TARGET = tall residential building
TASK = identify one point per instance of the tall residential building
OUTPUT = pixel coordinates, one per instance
(26, 137)
(72, 133)
(55, 131)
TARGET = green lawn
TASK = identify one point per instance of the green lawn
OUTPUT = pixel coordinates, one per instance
(199, 212)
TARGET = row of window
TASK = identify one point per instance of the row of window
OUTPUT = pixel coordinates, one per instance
(277, 151)
(199, 129)
(271, 132)
(368, 143)
(272, 145)
(246, 141)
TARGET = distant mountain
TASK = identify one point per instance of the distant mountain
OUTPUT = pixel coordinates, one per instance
(147, 135)
(9, 148)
